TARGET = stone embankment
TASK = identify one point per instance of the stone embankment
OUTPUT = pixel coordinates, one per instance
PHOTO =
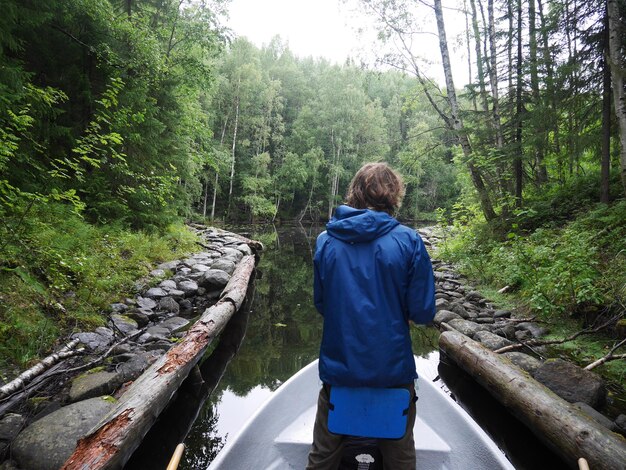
(40, 433)
(461, 308)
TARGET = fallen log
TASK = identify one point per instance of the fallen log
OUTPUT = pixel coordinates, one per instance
(113, 440)
(563, 428)
(29, 374)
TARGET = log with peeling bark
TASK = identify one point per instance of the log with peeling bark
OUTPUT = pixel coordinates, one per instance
(28, 375)
(563, 428)
(112, 441)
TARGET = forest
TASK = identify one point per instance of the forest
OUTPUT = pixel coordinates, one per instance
(122, 119)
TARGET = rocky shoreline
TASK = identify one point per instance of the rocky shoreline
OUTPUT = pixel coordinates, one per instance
(40, 431)
(465, 310)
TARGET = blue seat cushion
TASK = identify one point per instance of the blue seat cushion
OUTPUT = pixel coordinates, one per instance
(368, 412)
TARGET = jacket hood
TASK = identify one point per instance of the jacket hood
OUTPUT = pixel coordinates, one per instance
(359, 225)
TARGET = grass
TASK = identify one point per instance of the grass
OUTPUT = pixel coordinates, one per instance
(569, 272)
(58, 274)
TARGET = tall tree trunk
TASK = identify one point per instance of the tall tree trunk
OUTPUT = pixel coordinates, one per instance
(206, 197)
(493, 76)
(217, 176)
(605, 166)
(232, 161)
(517, 162)
(617, 75)
(547, 60)
(480, 66)
(455, 118)
(541, 173)
(470, 77)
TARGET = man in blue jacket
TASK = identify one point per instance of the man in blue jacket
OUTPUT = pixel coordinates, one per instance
(372, 277)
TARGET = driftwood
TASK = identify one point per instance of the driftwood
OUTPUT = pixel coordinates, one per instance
(29, 374)
(112, 441)
(565, 429)
(540, 342)
(609, 356)
(18, 397)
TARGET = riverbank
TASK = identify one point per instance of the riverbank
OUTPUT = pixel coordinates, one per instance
(42, 418)
(462, 308)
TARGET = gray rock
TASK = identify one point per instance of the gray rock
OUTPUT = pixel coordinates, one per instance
(571, 382)
(535, 330)
(596, 416)
(225, 265)
(199, 268)
(168, 304)
(474, 295)
(442, 295)
(154, 333)
(94, 384)
(10, 426)
(507, 331)
(118, 308)
(93, 341)
(122, 348)
(167, 284)
(245, 249)
(523, 361)
(502, 314)
(169, 266)
(442, 304)
(47, 444)
(523, 335)
(135, 366)
(126, 325)
(459, 310)
(233, 253)
(466, 327)
(491, 341)
(105, 332)
(145, 302)
(176, 294)
(620, 421)
(186, 305)
(174, 324)
(214, 278)
(444, 316)
(188, 287)
(184, 271)
(157, 273)
(483, 320)
(155, 293)
(141, 318)
(195, 276)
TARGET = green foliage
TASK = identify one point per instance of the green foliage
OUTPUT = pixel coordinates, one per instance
(573, 269)
(58, 273)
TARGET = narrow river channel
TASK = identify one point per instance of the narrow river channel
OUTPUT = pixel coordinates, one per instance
(274, 335)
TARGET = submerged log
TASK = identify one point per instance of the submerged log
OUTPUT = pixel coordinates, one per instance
(112, 441)
(563, 428)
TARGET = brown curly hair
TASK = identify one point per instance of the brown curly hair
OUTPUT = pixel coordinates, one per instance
(376, 186)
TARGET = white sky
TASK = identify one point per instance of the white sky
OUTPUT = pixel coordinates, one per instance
(327, 28)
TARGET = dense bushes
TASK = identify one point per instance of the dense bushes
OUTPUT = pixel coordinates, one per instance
(577, 267)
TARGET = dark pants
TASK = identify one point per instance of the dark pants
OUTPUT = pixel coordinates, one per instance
(398, 454)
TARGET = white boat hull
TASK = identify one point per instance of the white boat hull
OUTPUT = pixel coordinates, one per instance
(279, 434)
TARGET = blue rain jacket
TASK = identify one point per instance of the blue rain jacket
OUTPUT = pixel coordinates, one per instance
(371, 276)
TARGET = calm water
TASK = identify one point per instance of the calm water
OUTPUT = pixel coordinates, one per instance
(274, 335)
